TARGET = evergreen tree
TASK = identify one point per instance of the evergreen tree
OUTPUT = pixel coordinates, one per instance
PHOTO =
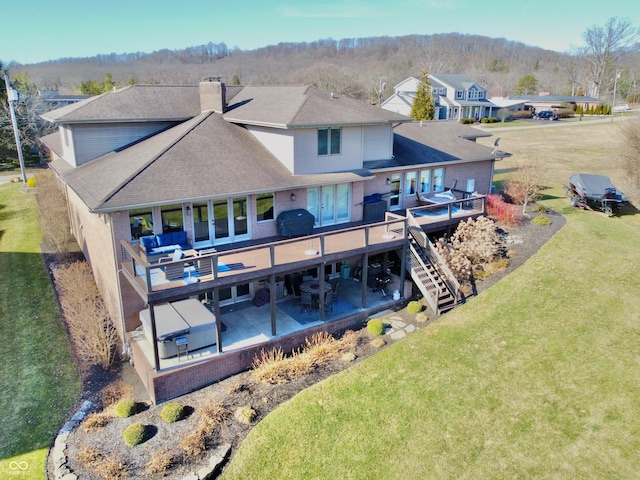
(423, 106)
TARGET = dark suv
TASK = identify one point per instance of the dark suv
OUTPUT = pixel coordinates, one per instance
(545, 115)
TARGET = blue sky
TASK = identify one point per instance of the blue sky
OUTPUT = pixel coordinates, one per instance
(38, 30)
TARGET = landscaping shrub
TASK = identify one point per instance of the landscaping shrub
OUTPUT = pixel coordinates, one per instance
(213, 415)
(126, 408)
(321, 348)
(244, 415)
(378, 343)
(540, 209)
(421, 317)
(414, 307)
(541, 220)
(92, 332)
(196, 442)
(467, 121)
(135, 434)
(95, 421)
(89, 456)
(112, 468)
(173, 412)
(503, 212)
(53, 213)
(471, 248)
(375, 326)
(160, 463)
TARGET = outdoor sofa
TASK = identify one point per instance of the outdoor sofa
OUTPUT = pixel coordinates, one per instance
(152, 247)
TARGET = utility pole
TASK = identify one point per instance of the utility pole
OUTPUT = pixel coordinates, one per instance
(12, 96)
(615, 84)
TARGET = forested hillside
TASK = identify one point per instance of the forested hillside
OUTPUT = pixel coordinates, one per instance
(354, 67)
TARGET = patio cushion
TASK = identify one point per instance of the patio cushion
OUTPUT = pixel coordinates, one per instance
(179, 238)
(178, 255)
(149, 241)
(165, 239)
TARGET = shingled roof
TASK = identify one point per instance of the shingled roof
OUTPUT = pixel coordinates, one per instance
(303, 106)
(201, 158)
(429, 142)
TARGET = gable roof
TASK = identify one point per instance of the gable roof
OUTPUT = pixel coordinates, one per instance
(435, 142)
(457, 81)
(303, 106)
(201, 158)
(136, 103)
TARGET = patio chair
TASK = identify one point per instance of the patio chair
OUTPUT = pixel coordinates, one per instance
(334, 288)
(306, 299)
(328, 302)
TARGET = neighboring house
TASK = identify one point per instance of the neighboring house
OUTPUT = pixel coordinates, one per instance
(53, 99)
(218, 166)
(547, 101)
(504, 106)
(455, 97)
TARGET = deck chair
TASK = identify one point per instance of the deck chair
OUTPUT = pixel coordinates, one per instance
(328, 302)
(335, 282)
(306, 299)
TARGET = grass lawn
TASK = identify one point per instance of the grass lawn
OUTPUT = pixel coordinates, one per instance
(38, 378)
(538, 377)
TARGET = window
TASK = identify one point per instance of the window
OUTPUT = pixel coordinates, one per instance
(459, 94)
(172, 220)
(265, 203)
(425, 181)
(329, 141)
(438, 179)
(140, 222)
(410, 183)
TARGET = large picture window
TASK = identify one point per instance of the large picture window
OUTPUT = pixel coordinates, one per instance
(172, 219)
(140, 222)
(425, 181)
(329, 141)
(264, 206)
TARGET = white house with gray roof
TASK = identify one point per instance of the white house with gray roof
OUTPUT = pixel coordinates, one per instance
(219, 166)
(455, 97)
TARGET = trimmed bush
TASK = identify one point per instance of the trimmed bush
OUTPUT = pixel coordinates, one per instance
(245, 415)
(375, 326)
(414, 307)
(173, 412)
(541, 220)
(135, 434)
(126, 408)
(540, 209)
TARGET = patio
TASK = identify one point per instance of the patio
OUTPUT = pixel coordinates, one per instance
(243, 325)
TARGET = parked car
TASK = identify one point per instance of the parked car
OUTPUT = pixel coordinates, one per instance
(623, 107)
(545, 115)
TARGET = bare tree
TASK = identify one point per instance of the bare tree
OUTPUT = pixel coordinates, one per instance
(605, 47)
(525, 185)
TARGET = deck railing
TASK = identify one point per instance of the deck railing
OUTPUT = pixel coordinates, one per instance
(234, 265)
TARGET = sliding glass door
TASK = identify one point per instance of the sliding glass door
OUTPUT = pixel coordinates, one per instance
(329, 204)
(220, 221)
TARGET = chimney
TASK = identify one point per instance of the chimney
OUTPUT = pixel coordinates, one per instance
(213, 95)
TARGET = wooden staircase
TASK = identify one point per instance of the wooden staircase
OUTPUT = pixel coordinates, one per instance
(430, 273)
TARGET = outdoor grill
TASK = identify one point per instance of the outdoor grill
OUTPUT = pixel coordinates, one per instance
(382, 279)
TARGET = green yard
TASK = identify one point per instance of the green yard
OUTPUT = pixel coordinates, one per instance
(38, 377)
(538, 377)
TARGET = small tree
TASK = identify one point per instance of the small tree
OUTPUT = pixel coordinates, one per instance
(527, 85)
(525, 185)
(423, 106)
